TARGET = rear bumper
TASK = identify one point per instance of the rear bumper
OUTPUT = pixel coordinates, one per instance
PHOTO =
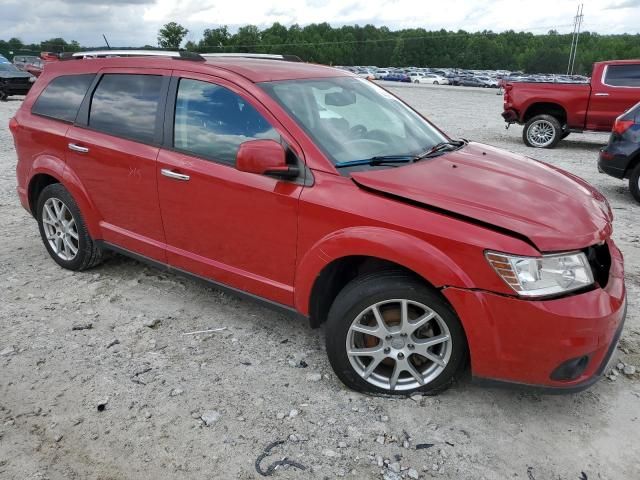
(510, 116)
(612, 164)
(523, 342)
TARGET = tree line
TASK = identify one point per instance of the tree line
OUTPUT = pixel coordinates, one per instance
(382, 47)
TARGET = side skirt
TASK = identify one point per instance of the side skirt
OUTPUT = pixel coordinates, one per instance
(275, 306)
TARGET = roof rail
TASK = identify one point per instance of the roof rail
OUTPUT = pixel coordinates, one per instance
(180, 55)
(264, 56)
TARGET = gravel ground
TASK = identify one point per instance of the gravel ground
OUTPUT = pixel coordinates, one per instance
(133, 397)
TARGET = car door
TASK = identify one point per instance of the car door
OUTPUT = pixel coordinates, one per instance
(617, 91)
(237, 228)
(113, 148)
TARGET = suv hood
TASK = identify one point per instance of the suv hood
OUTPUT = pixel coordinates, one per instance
(9, 74)
(554, 209)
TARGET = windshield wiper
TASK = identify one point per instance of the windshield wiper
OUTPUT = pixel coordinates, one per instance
(392, 159)
(439, 147)
(377, 160)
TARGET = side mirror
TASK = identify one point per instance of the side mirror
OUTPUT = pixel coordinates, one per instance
(265, 157)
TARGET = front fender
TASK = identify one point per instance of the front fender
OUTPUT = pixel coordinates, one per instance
(401, 248)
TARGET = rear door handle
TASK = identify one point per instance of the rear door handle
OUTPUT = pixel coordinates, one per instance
(78, 148)
(175, 175)
(602, 94)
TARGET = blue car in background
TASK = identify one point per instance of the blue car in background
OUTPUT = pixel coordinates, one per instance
(621, 157)
(4, 60)
(397, 77)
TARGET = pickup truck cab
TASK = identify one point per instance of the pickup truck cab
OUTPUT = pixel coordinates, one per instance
(551, 111)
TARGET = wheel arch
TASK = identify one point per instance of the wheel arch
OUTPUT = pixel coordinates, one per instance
(47, 171)
(338, 258)
(545, 108)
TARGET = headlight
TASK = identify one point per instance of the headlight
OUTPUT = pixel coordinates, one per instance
(545, 275)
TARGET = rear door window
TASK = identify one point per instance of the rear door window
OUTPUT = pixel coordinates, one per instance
(61, 99)
(623, 76)
(127, 106)
(212, 121)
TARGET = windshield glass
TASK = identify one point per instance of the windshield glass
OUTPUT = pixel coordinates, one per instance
(352, 118)
(8, 67)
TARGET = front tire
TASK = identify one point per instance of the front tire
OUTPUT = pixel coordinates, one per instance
(542, 131)
(63, 231)
(389, 333)
(634, 183)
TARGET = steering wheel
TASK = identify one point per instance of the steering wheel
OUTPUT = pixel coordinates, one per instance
(358, 131)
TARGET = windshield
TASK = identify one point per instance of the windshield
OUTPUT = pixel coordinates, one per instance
(351, 118)
(8, 67)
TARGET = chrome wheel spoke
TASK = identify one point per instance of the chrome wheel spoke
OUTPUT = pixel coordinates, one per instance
(375, 361)
(421, 322)
(367, 330)
(365, 352)
(422, 344)
(434, 358)
(395, 375)
(70, 247)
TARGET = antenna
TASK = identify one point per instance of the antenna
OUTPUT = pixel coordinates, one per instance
(577, 24)
(106, 41)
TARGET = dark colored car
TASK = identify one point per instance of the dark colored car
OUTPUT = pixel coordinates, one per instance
(621, 157)
(397, 77)
(471, 82)
(329, 198)
(14, 81)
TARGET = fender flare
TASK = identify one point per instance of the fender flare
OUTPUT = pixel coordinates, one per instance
(57, 168)
(401, 248)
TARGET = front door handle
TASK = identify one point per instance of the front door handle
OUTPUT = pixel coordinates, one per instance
(78, 148)
(602, 94)
(175, 175)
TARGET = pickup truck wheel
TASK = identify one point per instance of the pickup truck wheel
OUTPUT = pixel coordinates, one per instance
(542, 131)
(63, 230)
(389, 333)
(634, 183)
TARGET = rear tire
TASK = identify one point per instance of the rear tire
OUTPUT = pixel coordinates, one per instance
(63, 231)
(542, 131)
(634, 183)
(399, 342)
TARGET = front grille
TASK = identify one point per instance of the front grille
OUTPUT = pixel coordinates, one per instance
(600, 261)
(19, 81)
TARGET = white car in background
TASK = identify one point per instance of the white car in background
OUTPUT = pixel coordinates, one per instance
(431, 78)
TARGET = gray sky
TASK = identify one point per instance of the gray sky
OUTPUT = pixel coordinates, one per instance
(136, 22)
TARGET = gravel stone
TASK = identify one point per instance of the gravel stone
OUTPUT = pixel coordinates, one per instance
(210, 417)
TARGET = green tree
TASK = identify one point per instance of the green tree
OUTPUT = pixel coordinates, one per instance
(171, 35)
(214, 39)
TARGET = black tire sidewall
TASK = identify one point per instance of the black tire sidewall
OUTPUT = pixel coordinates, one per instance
(58, 191)
(363, 292)
(553, 121)
(633, 183)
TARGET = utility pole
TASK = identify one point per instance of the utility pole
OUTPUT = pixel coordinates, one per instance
(577, 24)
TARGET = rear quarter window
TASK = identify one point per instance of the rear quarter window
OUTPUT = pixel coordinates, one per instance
(61, 99)
(126, 105)
(623, 76)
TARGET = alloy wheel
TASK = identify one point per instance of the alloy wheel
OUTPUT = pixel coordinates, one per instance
(541, 133)
(398, 345)
(60, 229)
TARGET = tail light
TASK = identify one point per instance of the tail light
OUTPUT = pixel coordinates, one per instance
(13, 125)
(621, 126)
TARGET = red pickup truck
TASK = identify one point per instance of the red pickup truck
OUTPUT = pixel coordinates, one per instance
(550, 111)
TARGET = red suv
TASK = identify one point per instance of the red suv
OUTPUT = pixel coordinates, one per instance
(326, 196)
